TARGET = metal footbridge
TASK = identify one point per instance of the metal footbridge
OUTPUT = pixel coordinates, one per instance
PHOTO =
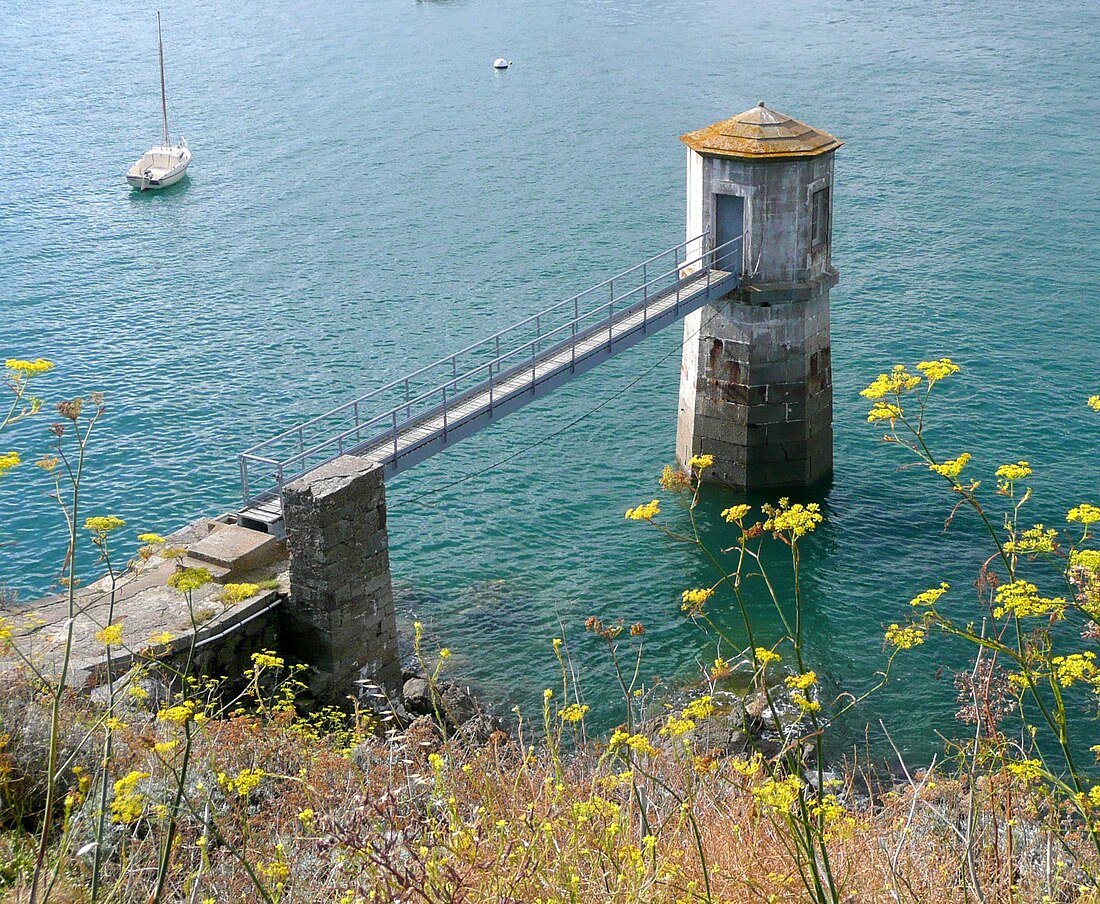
(411, 419)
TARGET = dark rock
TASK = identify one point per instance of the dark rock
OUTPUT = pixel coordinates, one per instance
(459, 706)
(418, 696)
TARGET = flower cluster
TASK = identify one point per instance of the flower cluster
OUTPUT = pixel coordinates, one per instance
(778, 795)
(1033, 540)
(1022, 600)
(1075, 667)
(905, 638)
(764, 655)
(699, 462)
(186, 580)
(27, 369)
(930, 597)
(231, 594)
(884, 411)
(795, 520)
(111, 635)
(574, 712)
(1018, 471)
(802, 682)
(937, 370)
(674, 480)
(894, 383)
(128, 803)
(645, 512)
(1084, 513)
(103, 524)
(693, 600)
(951, 467)
(735, 513)
(8, 460)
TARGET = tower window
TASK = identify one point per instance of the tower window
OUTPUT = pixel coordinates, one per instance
(819, 225)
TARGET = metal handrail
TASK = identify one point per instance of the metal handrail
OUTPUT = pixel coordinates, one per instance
(449, 358)
(445, 395)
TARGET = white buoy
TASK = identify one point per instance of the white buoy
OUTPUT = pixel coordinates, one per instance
(501, 63)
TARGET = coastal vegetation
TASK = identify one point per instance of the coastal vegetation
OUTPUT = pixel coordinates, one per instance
(173, 786)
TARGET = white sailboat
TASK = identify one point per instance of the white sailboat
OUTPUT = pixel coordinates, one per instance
(166, 163)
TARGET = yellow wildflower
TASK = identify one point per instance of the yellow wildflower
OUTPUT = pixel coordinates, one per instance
(179, 714)
(930, 597)
(152, 539)
(694, 599)
(804, 703)
(699, 462)
(165, 746)
(5, 633)
(267, 660)
(764, 656)
(735, 513)
(884, 411)
(1034, 539)
(937, 370)
(644, 512)
(905, 638)
(747, 767)
(114, 723)
(186, 580)
(797, 519)
(828, 808)
(8, 460)
(700, 708)
(245, 782)
(1094, 402)
(1027, 770)
(138, 692)
(26, 369)
(674, 480)
(675, 726)
(896, 382)
(103, 524)
(1088, 559)
(640, 744)
(128, 803)
(802, 682)
(238, 593)
(111, 635)
(162, 637)
(1022, 600)
(1085, 513)
(721, 669)
(574, 712)
(951, 467)
(778, 795)
(1075, 667)
(1018, 471)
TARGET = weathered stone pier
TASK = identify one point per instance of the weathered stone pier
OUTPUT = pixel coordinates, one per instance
(756, 379)
(751, 283)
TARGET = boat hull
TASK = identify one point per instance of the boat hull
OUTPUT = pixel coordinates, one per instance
(159, 168)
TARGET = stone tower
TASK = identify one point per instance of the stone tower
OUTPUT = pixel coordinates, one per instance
(756, 378)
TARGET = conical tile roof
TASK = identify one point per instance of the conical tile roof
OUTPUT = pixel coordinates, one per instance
(761, 133)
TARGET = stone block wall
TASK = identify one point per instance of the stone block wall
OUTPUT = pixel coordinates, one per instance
(340, 615)
(756, 388)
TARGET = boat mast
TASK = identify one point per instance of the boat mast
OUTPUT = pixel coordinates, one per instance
(163, 95)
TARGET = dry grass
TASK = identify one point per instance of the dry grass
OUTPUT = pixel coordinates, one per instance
(414, 819)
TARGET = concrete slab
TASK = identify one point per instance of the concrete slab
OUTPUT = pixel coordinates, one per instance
(237, 549)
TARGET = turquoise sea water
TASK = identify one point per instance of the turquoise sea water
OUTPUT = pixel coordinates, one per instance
(367, 194)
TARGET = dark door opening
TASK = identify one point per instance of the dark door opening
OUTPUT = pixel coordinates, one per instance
(729, 220)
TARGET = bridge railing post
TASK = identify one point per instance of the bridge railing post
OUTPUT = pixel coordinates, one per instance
(395, 436)
(244, 479)
(444, 414)
(408, 408)
(490, 369)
